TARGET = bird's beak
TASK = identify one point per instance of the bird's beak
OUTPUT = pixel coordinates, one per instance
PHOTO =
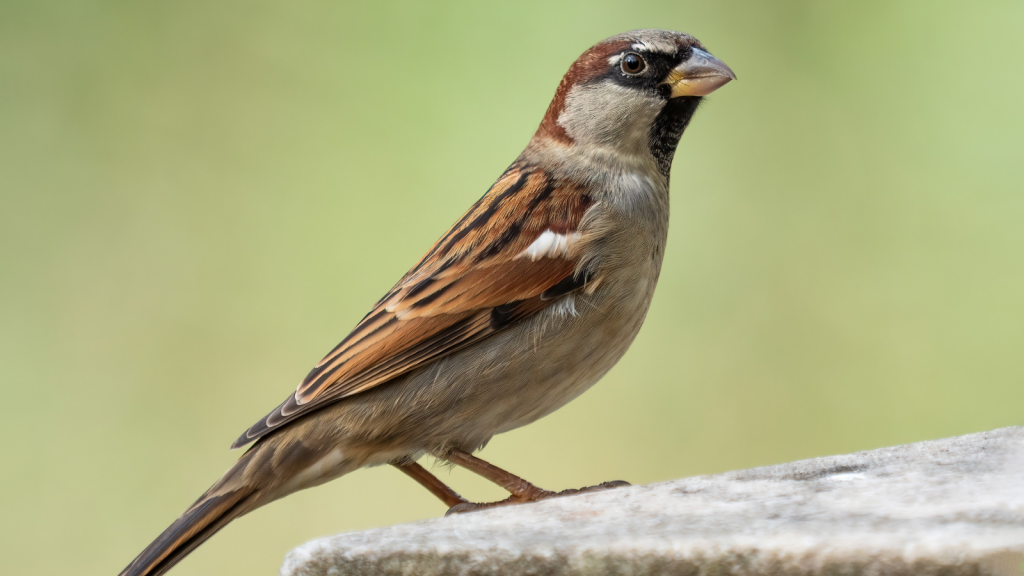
(700, 75)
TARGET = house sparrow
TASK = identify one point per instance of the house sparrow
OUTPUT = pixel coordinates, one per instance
(531, 297)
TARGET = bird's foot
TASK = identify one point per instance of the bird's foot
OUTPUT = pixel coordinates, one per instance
(535, 495)
(602, 486)
(464, 507)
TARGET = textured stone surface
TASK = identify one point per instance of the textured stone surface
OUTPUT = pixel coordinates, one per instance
(944, 507)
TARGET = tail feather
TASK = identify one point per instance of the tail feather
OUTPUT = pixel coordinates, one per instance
(275, 466)
(202, 520)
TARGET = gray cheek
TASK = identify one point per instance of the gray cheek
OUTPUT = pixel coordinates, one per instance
(607, 114)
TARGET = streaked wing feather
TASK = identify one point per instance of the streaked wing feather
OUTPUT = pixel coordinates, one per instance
(473, 282)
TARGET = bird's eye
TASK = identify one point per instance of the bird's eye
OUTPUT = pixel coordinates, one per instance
(633, 64)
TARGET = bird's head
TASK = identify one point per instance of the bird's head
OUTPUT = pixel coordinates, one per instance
(633, 94)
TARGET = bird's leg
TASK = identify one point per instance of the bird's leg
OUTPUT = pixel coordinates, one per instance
(430, 482)
(521, 490)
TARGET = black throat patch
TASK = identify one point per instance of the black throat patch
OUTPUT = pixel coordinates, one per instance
(668, 129)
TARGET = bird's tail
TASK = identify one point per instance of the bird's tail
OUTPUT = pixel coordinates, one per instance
(275, 466)
(226, 500)
(199, 522)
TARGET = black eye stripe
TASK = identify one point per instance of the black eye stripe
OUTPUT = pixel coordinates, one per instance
(656, 66)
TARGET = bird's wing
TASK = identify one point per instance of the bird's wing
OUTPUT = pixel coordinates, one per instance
(509, 256)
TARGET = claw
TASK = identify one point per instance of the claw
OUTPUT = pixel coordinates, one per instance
(463, 507)
(602, 486)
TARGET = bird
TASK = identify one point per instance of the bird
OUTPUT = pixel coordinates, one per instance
(521, 306)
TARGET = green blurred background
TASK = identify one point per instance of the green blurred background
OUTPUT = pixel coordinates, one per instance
(199, 199)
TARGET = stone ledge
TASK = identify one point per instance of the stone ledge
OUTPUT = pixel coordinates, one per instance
(944, 507)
